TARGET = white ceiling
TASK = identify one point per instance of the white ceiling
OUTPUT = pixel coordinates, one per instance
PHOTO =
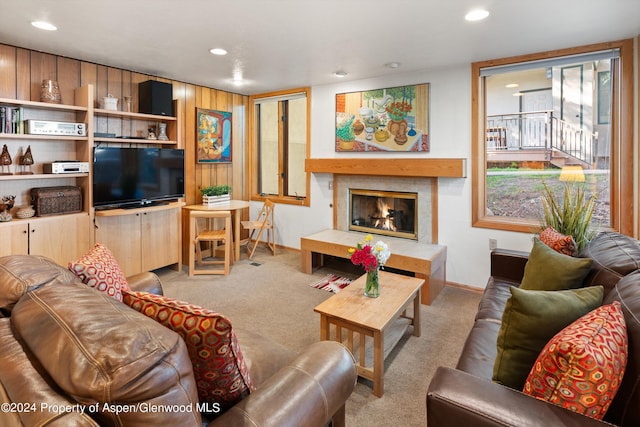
(279, 44)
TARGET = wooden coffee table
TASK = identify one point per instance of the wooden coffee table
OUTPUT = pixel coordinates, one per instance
(351, 311)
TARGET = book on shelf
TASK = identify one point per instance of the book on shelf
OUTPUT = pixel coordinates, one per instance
(11, 120)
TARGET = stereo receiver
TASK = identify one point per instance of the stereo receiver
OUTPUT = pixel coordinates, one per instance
(69, 166)
(44, 127)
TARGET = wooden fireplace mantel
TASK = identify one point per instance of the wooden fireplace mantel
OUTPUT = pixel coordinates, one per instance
(434, 168)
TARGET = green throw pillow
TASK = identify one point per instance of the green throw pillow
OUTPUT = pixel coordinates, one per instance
(529, 321)
(549, 270)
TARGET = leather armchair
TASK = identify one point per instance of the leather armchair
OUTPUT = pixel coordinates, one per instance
(68, 346)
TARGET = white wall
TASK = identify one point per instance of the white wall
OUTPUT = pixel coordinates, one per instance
(450, 118)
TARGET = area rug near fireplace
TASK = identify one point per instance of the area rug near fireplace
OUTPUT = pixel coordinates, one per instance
(332, 283)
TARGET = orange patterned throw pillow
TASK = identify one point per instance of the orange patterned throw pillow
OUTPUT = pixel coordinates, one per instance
(222, 376)
(558, 241)
(582, 366)
(100, 270)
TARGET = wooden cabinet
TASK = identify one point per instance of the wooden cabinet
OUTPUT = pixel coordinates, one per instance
(47, 148)
(142, 239)
(15, 238)
(146, 238)
(161, 239)
(62, 238)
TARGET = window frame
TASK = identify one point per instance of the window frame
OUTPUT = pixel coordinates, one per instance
(622, 160)
(254, 152)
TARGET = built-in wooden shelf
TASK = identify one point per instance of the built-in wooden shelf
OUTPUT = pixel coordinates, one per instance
(132, 115)
(19, 177)
(435, 168)
(41, 105)
(134, 141)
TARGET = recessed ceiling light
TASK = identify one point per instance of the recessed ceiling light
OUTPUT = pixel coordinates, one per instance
(476, 15)
(340, 74)
(392, 64)
(511, 85)
(44, 25)
(518, 94)
(218, 51)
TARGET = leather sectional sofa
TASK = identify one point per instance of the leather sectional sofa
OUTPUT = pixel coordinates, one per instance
(466, 395)
(73, 356)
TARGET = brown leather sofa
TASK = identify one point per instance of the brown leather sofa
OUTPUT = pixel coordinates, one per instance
(72, 356)
(467, 396)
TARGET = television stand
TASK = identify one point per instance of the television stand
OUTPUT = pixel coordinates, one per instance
(145, 205)
(153, 236)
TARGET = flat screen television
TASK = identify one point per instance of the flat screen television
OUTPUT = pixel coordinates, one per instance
(125, 177)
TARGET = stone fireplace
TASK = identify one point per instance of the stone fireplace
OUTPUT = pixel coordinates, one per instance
(383, 212)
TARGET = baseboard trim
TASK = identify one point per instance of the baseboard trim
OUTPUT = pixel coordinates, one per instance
(465, 287)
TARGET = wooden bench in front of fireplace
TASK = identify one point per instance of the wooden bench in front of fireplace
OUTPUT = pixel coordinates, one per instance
(424, 260)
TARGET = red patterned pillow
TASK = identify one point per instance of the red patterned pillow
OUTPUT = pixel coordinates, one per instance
(581, 368)
(222, 376)
(100, 270)
(558, 241)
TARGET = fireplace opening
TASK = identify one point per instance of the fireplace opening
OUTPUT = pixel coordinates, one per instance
(384, 212)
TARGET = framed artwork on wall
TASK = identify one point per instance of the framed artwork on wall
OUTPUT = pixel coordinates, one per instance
(393, 119)
(213, 136)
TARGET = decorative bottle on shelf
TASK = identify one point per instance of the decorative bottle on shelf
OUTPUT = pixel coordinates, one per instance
(50, 92)
(162, 136)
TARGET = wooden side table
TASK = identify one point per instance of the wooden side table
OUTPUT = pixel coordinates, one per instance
(371, 317)
(235, 206)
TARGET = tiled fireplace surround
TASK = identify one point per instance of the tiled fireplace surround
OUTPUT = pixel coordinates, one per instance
(424, 187)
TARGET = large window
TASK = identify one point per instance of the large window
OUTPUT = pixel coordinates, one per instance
(547, 118)
(280, 146)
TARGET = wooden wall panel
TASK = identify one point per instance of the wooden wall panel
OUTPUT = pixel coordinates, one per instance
(8, 82)
(136, 79)
(114, 88)
(68, 76)
(89, 75)
(43, 66)
(188, 142)
(23, 80)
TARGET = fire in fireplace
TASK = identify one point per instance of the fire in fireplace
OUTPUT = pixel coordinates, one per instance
(384, 212)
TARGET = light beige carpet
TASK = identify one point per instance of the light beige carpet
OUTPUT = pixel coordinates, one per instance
(272, 296)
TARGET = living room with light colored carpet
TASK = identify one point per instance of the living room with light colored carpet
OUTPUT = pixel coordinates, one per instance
(271, 296)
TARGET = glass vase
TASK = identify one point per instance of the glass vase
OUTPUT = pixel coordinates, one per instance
(163, 132)
(372, 286)
(50, 92)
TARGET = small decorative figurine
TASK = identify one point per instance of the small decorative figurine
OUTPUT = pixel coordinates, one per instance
(25, 161)
(5, 161)
(5, 207)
